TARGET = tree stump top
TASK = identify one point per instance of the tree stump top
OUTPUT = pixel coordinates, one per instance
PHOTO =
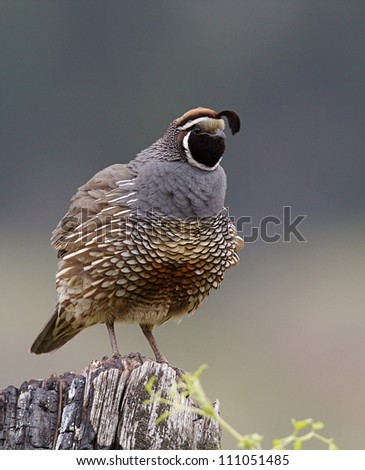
(103, 407)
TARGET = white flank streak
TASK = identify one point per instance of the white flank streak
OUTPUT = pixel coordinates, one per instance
(62, 272)
(126, 211)
(78, 229)
(76, 253)
(132, 200)
(121, 198)
(95, 263)
(125, 183)
(90, 242)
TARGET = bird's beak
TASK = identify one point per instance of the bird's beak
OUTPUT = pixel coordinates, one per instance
(219, 133)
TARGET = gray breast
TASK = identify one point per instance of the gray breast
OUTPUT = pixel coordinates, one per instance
(177, 189)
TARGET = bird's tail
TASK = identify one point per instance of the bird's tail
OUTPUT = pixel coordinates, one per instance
(54, 334)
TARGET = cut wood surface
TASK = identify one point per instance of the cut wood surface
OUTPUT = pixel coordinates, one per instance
(101, 408)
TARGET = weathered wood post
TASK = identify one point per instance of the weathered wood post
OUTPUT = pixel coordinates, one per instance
(101, 408)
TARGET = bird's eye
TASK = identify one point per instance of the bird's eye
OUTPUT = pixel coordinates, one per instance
(197, 130)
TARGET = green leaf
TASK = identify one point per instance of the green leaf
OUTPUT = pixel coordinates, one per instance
(298, 425)
(317, 426)
(150, 383)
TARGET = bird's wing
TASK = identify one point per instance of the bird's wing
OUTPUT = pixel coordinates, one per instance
(109, 189)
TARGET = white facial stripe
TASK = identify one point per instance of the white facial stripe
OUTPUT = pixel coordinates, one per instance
(191, 160)
(186, 146)
(196, 121)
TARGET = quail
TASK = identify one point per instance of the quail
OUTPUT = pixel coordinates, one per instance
(146, 241)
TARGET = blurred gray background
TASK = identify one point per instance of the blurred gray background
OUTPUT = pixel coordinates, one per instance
(85, 84)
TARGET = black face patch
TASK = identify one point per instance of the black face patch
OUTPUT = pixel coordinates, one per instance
(205, 148)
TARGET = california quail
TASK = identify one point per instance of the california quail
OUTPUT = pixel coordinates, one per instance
(146, 241)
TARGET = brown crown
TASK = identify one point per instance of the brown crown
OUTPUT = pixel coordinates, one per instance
(232, 117)
(195, 114)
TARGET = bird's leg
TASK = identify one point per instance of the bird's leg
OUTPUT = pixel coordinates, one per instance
(147, 331)
(113, 339)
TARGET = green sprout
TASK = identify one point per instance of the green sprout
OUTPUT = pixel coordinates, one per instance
(190, 386)
(309, 430)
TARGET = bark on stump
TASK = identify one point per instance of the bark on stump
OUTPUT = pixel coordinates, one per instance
(101, 408)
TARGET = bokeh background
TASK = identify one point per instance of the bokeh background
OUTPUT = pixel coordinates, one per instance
(85, 84)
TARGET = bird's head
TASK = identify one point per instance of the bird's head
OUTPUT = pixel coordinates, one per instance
(200, 135)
